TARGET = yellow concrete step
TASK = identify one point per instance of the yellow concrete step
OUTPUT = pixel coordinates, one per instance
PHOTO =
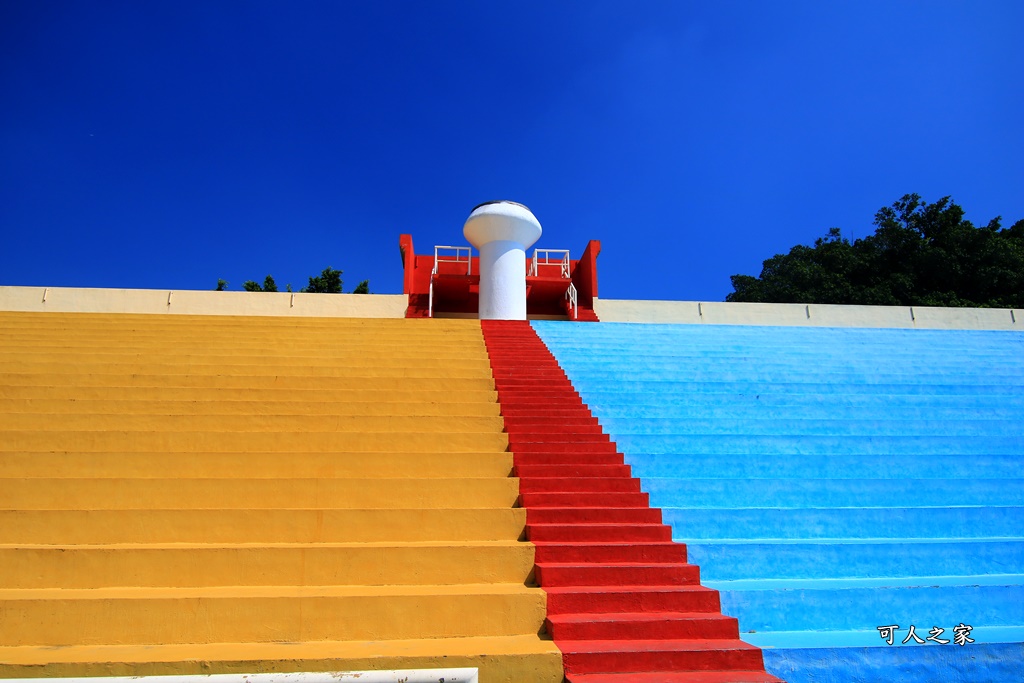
(274, 466)
(201, 395)
(392, 424)
(90, 361)
(213, 337)
(261, 341)
(267, 465)
(285, 344)
(299, 326)
(178, 350)
(251, 382)
(358, 406)
(246, 564)
(370, 370)
(524, 658)
(264, 494)
(227, 614)
(133, 321)
(189, 321)
(284, 340)
(70, 527)
(241, 442)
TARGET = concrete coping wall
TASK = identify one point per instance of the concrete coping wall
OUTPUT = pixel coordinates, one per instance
(808, 315)
(198, 302)
(206, 302)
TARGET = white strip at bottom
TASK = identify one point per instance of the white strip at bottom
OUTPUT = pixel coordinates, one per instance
(464, 675)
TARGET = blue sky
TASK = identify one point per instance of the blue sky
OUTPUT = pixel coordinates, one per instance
(168, 144)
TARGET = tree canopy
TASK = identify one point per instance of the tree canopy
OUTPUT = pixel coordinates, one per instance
(327, 282)
(919, 255)
(268, 285)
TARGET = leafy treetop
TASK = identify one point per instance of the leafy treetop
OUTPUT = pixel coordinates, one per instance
(919, 255)
(268, 285)
(327, 282)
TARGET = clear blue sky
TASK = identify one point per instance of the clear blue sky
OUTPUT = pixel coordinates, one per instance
(168, 144)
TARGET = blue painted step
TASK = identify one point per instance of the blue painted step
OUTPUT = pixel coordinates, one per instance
(669, 389)
(817, 407)
(805, 559)
(817, 493)
(886, 465)
(988, 661)
(833, 606)
(688, 425)
(895, 446)
(854, 522)
(871, 374)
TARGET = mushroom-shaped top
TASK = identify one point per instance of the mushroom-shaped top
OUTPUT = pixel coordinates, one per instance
(501, 220)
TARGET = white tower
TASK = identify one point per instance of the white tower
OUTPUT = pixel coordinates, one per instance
(502, 231)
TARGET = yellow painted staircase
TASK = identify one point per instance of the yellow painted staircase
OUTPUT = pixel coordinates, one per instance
(237, 494)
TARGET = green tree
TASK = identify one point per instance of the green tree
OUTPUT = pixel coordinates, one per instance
(327, 282)
(919, 255)
(268, 285)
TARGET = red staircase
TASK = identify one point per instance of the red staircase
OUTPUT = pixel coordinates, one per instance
(623, 604)
(583, 315)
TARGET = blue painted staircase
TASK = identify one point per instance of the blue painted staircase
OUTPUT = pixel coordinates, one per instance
(830, 482)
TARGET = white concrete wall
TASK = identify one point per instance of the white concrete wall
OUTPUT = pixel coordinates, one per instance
(821, 315)
(196, 302)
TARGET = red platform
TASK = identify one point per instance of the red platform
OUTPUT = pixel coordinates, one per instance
(455, 280)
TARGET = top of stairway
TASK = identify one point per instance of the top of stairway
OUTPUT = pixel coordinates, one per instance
(807, 315)
(302, 304)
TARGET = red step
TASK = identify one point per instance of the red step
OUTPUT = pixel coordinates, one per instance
(677, 677)
(622, 574)
(593, 515)
(608, 599)
(557, 500)
(535, 364)
(572, 471)
(520, 446)
(535, 399)
(599, 532)
(543, 431)
(512, 380)
(567, 440)
(559, 449)
(567, 459)
(642, 625)
(537, 391)
(581, 484)
(610, 656)
(546, 422)
(545, 412)
(664, 551)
